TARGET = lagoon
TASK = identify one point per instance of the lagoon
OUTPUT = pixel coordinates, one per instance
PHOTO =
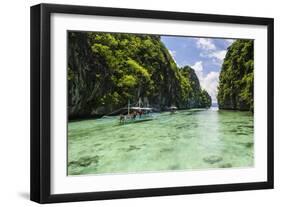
(192, 139)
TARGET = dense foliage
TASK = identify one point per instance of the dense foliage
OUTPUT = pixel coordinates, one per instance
(106, 70)
(197, 98)
(236, 81)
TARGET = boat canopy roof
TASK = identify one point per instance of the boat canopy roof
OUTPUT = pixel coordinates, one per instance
(140, 108)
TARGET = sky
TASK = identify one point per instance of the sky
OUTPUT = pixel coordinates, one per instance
(204, 55)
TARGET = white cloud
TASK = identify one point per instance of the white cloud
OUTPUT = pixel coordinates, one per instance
(217, 55)
(208, 82)
(198, 68)
(210, 50)
(205, 44)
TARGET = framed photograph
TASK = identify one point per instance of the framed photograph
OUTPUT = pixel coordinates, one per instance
(133, 103)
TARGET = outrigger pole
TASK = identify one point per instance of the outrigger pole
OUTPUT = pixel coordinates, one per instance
(129, 107)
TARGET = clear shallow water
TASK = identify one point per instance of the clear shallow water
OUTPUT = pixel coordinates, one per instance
(190, 139)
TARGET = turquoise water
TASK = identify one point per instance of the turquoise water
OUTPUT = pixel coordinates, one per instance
(190, 139)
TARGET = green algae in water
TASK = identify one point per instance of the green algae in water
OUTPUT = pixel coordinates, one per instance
(186, 140)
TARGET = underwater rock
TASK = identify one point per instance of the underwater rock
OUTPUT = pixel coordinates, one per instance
(174, 167)
(180, 127)
(183, 126)
(225, 165)
(195, 125)
(246, 144)
(175, 138)
(74, 172)
(122, 140)
(132, 147)
(241, 133)
(233, 130)
(84, 161)
(72, 163)
(212, 159)
(249, 126)
(249, 144)
(166, 150)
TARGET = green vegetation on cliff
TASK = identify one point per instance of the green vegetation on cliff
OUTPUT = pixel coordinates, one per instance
(236, 81)
(198, 98)
(106, 70)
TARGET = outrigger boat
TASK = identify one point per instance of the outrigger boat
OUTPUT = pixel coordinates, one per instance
(136, 114)
(173, 109)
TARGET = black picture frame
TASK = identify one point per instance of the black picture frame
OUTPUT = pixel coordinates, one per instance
(41, 95)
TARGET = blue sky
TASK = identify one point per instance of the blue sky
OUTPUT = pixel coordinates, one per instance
(204, 55)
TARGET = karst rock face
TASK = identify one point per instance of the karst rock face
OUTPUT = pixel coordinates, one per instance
(105, 70)
(236, 81)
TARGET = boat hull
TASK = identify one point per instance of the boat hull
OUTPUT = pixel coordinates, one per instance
(136, 120)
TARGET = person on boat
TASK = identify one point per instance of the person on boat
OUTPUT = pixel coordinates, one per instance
(140, 113)
(134, 115)
(122, 118)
